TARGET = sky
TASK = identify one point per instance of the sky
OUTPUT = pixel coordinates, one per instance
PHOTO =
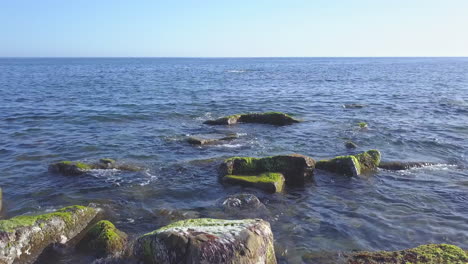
(236, 28)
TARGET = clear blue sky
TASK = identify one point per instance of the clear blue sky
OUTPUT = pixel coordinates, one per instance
(238, 28)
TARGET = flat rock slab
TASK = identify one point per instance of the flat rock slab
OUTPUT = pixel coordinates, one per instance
(271, 118)
(23, 238)
(197, 241)
(208, 139)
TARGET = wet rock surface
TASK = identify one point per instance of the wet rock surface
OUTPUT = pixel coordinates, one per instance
(272, 118)
(209, 139)
(103, 239)
(23, 238)
(399, 165)
(208, 240)
(351, 165)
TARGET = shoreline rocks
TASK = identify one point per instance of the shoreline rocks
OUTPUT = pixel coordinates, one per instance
(268, 181)
(103, 239)
(23, 238)
(272, 118)
(351, 165)
(208, 240)
(295, 168)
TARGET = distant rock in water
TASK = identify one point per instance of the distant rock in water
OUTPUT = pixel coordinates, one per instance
(425, 254)
(103, 239)
(272, 118)
(362, 125)
(242, 201)
(353, 106)
(205, 240)
(398, 165)
(78, 168)
(23, 238)
(210, 139)
(350, 145)
(351, 165)
(295, 168)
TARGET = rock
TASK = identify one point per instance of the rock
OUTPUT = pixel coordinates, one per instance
(1, 198)
(70, 167)
(268, 181)
(272, 118)
(24, 237)
(242, 201)
(397, 165)
(351, 165)
(362, 125)
(350, 145)
(353, 106)
(206, 240)
(78, 168)
(296, 168)
(104, 239)
(210, 139)
(427, 254)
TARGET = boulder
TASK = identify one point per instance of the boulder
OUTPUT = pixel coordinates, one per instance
(351, 165)
(397, 165)
(350, 145)
(296, 168)
(210, 139)
(425, 254)
(104, 239)
(268, 181)
(78, 168)
(24, 237)
(242, 201)
(205, 240)
(272, 118)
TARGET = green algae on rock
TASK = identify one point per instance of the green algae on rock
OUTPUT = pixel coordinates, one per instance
(398, 165)
(272, 118)
(268, 181)
(362, 125)
(104, 239)
(206, 240)
(296, 168)
(351, 165)
(23, 238)
(78, 168)
(425, 254)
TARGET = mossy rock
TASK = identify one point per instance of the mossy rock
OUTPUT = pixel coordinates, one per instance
(70, 167)
(268, 181)
(351, 165)
(362, 125)
(104, 239)
(272, 118)
(398, 165)
(296, 168)
(206, 240)
(24, 237)
(425, 254)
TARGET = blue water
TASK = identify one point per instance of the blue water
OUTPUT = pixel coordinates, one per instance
(139, 111)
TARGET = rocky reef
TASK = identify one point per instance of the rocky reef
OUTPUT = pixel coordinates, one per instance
(24, 237)
(425, 254)
(398, 165)
(208, 240)
(351, 165)
(271, 118)
(103, 239)
(78, 168)
(295, 168)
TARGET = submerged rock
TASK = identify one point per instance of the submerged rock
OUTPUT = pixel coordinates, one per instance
(350, 145)
(268, 181)
(272, 118)
(207, 240)
(210, 139)
(104, 239)
(351, 165)
(242, 201)
(398, 165)
(353, 106)
(295, 168)
(78, 168)
(362, 125)
(425, 254)
(24, 237)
